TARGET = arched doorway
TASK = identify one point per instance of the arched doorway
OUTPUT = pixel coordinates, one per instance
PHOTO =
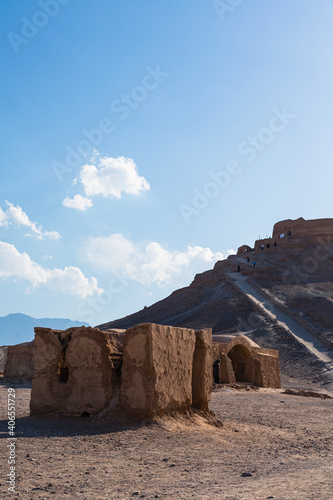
(242, 363)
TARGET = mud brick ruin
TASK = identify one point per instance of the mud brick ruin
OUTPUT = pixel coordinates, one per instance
(145, 371)
(148, 370)
(18, 364)
(242, 360)
(3, 358)
(75, 370)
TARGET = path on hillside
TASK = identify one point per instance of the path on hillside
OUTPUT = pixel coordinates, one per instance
(283, 319)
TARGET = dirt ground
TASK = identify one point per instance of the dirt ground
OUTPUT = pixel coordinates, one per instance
(272, 445)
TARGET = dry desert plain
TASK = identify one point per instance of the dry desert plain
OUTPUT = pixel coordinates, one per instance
(271, 445)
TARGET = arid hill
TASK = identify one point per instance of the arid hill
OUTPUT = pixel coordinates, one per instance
(284, 302)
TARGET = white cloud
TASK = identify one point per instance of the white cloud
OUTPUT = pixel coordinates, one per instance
(3, 221)
(111, 177)
(158, 265)
(109, 253)
(69, 280)
(15, 215)
(147, 264)
(79, 202)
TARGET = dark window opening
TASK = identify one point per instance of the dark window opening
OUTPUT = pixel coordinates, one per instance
(118, 368)
(63, 372)
(241, 363)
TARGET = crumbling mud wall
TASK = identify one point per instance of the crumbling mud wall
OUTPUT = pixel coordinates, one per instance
(242, 360)
(75, 371)
(19, 362)
(201, 369)
(3, 358)
(160, 364)
(267, 366)
(147, 370)
(226, 371)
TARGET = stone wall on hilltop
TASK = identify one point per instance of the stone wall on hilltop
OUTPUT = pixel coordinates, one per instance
(299, 229)
(303, 229)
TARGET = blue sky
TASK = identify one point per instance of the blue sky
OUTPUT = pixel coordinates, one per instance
(142, 141)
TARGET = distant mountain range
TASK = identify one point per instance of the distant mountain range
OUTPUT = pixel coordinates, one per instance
(17, 328)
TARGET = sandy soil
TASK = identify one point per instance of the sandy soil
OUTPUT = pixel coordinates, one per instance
(282, 443)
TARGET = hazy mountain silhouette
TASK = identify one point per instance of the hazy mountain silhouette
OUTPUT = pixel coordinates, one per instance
(17, 328)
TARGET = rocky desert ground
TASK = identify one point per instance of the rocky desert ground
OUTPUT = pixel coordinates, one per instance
(271, 445)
